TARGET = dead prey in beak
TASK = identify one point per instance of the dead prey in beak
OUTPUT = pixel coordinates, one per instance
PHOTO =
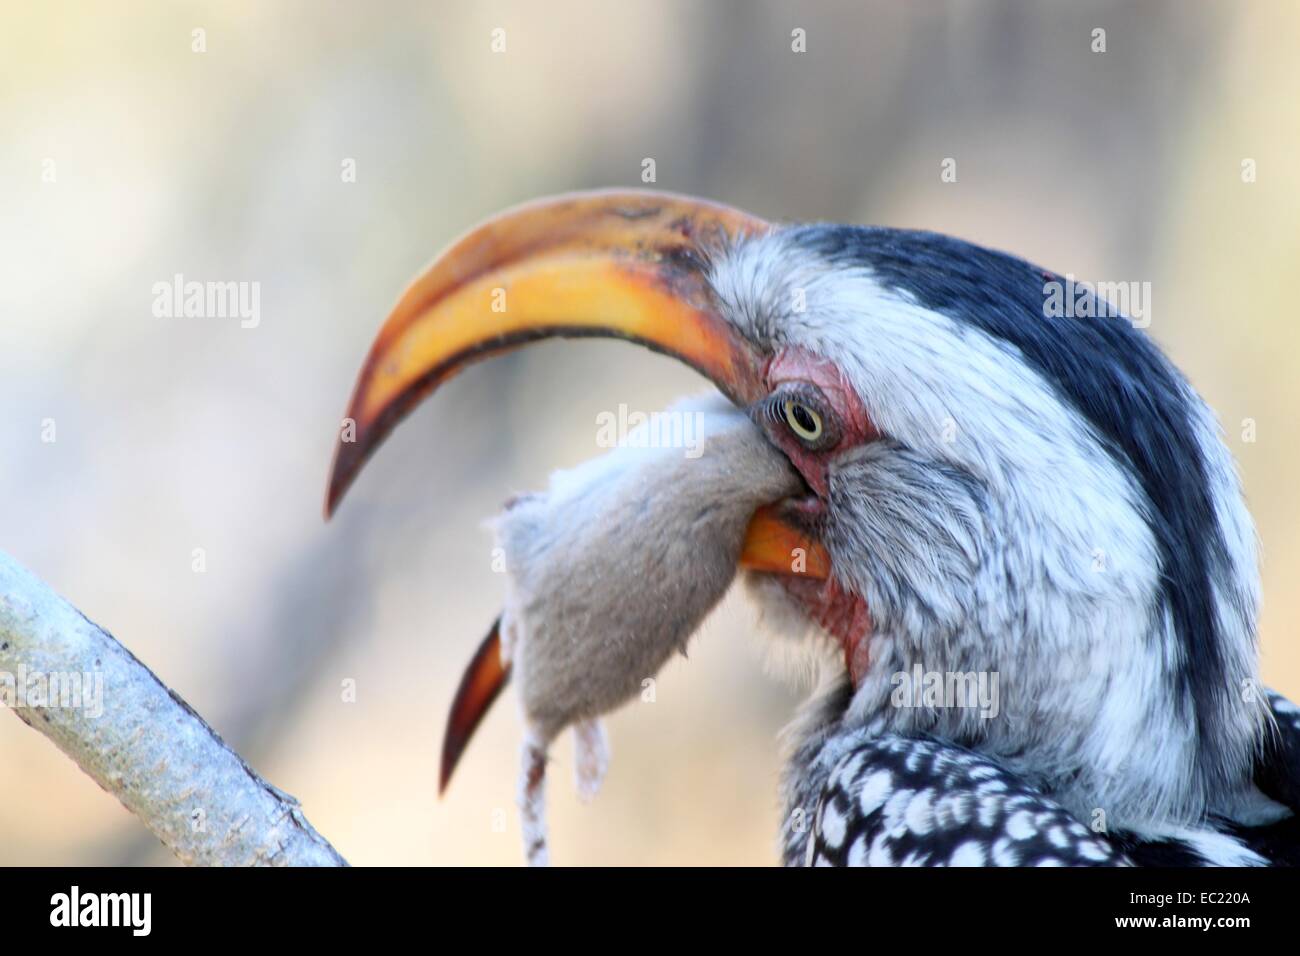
(617, 563)
(611, 570)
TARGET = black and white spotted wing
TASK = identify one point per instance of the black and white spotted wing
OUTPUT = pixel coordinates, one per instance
(867, 800)
(894, 801)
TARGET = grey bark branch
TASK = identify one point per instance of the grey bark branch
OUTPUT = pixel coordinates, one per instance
(68, 678)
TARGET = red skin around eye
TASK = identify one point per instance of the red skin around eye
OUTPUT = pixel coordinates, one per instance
(794, 364)
(840, 613)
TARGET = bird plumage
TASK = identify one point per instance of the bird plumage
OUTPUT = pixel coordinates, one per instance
(994, 490)
(1049, 501)
(858, 798)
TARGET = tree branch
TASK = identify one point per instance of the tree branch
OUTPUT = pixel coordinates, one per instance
(70, 679)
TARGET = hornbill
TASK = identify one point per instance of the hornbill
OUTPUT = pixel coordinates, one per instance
(988, 488)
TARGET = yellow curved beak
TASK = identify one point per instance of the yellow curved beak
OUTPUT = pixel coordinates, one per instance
(627, 265)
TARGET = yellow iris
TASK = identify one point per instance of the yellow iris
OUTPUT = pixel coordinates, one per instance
(803, 421)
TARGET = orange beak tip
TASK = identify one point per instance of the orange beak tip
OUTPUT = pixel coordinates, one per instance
(480, 685)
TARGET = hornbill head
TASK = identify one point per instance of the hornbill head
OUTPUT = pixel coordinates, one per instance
(991, 488)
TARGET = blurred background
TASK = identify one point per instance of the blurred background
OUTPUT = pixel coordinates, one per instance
(130, 156)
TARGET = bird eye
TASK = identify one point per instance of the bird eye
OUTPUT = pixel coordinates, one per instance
(803, 421)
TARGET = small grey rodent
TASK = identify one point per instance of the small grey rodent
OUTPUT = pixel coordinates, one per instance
(615, 566)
